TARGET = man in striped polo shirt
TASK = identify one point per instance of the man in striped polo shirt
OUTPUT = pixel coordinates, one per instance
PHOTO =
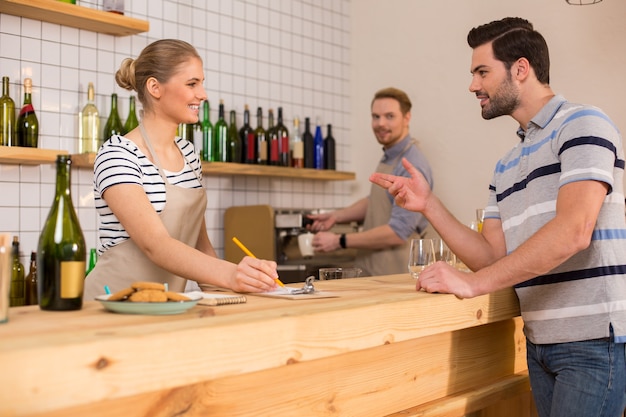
(554, 226)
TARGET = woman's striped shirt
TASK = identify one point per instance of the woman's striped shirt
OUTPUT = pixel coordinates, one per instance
(119, 161)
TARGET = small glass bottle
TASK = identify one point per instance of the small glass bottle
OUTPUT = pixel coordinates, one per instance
(31, 281)
(234, 143)
(318, 143)
(93, 258)
(329, 149)
(89, 124)
(17, 276)
(131, 121)
(297, 146)
(208, 135)
(113, 125)
(7, 116)
(27, 125)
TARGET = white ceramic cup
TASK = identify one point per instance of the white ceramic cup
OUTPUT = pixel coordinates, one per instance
(305, 244)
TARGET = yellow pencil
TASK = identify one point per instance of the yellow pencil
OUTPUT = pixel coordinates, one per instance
(250, 254)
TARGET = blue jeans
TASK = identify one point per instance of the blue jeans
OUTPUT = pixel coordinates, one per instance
(578, 379)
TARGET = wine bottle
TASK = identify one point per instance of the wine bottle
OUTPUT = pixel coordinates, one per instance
(207, 134)
(248, 141)
(196, 135)
(297, 146)
(131, 121)
(93, 259)
(17, 276)
(113, 126)
(319, 147)
(61, 252)
(185, 131)
(329, 149)
(308, 144)
(7, 116)
(221, 135)
(234, 143)
(272, 137)
(89, 124)
(27, 126)
(261, 138)
(283, 140)
(31, 281)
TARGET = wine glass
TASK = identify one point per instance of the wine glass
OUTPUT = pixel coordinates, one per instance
(480, 218)
(443, 252)
(421, 254)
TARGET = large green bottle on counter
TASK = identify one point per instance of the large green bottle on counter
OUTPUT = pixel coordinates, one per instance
(61, 252)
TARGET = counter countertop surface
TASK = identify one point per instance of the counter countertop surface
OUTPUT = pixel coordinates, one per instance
(45, 355)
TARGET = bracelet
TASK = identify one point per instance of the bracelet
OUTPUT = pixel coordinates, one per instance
(342, 240)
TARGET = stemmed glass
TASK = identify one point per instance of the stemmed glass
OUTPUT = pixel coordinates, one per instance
(421, 254)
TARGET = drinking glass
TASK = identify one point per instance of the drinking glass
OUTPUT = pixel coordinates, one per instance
(421, 254)
(480, 218)
(443, 252)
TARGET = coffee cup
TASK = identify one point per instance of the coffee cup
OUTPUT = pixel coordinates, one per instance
(339, 273)
(305, 244)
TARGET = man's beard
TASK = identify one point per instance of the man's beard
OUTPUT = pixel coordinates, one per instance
(503, 102)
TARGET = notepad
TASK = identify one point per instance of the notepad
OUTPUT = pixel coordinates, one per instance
(218, 299)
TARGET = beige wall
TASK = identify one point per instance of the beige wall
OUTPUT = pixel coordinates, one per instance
(420, 46)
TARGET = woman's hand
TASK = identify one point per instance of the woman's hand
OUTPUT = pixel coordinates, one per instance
(254, 275)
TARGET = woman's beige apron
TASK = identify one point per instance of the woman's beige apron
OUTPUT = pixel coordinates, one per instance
(392, 260)
(125, 263)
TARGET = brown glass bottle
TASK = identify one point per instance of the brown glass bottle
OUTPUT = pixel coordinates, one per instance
(31, 281)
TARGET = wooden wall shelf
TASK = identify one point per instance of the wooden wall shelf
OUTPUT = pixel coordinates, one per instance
(229, 168)
(80, 17)
(28, 156)
(36, 156)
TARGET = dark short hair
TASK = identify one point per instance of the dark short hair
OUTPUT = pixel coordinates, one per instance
(396, 94)
(514, 38)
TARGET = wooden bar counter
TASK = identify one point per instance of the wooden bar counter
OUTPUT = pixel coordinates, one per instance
(379, 349)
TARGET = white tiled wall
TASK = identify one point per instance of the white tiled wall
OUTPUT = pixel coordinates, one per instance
(268, 53)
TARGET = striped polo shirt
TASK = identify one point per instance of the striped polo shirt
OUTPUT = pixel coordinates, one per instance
(119, 161)
(578, 300)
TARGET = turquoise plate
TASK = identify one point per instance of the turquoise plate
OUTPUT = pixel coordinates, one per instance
(128, 307)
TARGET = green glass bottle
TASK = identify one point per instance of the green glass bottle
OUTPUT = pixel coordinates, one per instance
(93, 258)
(131, 121)
(61, 253)
(27, 125)
(113, 126)
(221, 136)
(89, 124)
(234, 142)
(7, 116)
(208, 135)
(260, 136)
(272, 140)
(17, 277)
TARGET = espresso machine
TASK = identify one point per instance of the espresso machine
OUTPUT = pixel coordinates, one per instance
(272, 233)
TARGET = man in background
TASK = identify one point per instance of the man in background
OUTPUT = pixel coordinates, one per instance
(382, 245)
